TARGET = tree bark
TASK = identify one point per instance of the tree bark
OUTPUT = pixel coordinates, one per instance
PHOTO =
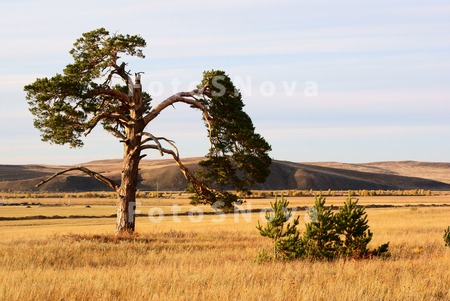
(126, 206)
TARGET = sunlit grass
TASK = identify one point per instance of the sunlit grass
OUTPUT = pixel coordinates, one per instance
(212, 257)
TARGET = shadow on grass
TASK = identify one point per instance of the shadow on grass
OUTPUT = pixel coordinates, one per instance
(136, 237)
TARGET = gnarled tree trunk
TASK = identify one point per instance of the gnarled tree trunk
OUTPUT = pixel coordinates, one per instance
(127, 193)
(126, 206)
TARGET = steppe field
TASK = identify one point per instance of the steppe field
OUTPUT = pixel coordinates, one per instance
(70, 253)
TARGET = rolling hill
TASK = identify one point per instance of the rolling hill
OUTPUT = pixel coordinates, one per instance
(165, 175)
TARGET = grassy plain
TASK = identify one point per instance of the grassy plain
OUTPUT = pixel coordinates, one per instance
(212, 257)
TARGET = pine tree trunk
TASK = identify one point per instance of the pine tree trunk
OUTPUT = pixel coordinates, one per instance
(127, 194)
(126, 206)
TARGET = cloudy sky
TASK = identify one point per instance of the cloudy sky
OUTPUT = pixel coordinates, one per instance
(350, 81)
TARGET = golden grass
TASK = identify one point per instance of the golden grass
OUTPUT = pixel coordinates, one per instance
(205, 258)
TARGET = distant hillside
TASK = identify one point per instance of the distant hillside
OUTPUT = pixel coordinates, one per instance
(438, 171)
(165, 175)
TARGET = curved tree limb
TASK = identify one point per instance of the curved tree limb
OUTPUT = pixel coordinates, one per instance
(120, 70)
(91, 173)
(119, 117)
(122, 97)
(201, 188)
(184, 97)
(158, 144)
(154, 139)
(96, 119)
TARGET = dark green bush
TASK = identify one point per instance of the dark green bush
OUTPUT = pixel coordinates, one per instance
(286, 238)
(321, 238)
(355, 234)
(328, 235)
(447, 237)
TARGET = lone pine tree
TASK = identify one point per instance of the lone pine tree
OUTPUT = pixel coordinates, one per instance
(98, 89)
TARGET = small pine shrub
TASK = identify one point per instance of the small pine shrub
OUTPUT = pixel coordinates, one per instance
(321, 238)
(352, 226)
(447, 237)
(286, 238)
(262, 257)
(327, 236)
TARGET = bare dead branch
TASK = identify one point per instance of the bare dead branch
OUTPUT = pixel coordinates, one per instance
(158, 144)
(208, 123)
(201, 188)
(154, 139)
(172, 143)
(91, 173)
(120, 70)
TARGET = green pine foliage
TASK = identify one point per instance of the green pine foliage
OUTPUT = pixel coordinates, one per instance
(286, 238)
(63, 105)
(328, 235)
(238, 156)
(352, 225)
(447, 237)
(321, 236)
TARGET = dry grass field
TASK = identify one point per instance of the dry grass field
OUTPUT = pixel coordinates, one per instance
(213, 257)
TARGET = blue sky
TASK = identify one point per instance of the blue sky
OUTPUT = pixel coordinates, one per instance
(380, 71)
